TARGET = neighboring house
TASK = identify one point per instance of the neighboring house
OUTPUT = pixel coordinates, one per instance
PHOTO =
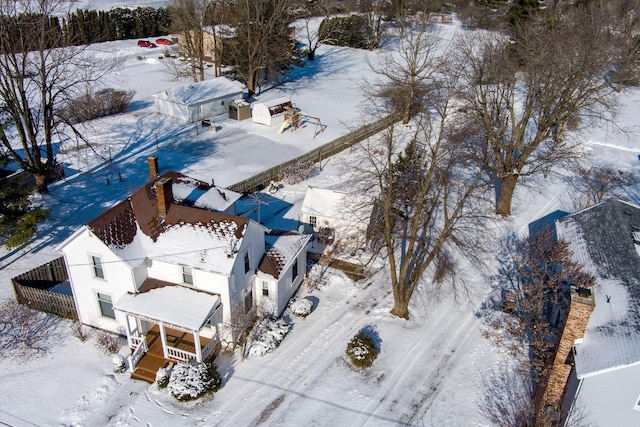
(172, 265)
(197, 101)
(210, 44)
(605, 324)
(330, 214)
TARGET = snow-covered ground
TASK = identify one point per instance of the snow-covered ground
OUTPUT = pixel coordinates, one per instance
(436, 369)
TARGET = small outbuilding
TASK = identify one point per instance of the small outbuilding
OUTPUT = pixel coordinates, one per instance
(239, 109)
(197, 101)
(271, 113)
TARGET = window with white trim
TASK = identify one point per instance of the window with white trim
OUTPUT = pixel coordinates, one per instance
(96, 267)
(106, 305)
(313, 221)
(265, 288)
(187, 275)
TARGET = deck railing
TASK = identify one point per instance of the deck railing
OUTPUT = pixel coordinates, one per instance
(178, 354)
(209, 349)
(137, 354)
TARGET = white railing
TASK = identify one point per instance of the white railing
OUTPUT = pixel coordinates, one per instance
(136, 341)
(208, 350)
(137, 354)
(178, 354)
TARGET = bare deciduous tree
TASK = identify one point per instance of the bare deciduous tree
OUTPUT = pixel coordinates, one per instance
(258, 38)
(405, 73)
(521, 97)
(431, 198)
(535, 277)
(36, 80)
(596, 182)
(188, 19)
(25, 332)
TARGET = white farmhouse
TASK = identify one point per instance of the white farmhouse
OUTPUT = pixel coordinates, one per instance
(193, 102)
(170, 266)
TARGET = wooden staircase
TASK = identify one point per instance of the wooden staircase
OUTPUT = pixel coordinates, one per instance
(148, 366)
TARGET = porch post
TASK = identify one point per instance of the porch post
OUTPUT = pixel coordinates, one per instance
(163, 338)
(196, 341)
(128, 326)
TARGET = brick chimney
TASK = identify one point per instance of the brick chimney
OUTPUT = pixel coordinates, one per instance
(164, 196)
(582, 305)
(152, 161)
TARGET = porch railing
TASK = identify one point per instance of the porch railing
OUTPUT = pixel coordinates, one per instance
(137, 354)
(209, 349)
(136, 341)
(178, 354)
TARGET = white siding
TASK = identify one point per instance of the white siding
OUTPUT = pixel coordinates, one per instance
(118, 279)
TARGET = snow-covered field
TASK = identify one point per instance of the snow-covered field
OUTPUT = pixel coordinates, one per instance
(434, 370)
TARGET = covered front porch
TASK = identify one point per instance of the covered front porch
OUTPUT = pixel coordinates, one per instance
(172, 323)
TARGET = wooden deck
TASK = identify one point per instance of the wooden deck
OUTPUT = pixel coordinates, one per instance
(154, 357)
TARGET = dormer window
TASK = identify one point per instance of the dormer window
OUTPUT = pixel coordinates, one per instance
(187, 275)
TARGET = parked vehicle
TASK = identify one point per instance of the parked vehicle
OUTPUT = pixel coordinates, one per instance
(164, 41)
(146, 43)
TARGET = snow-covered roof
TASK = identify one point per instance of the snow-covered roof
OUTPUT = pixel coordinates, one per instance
(273, 102)
(201, 195)
(172, 305)
(324, 202)
(204, 91)
(190, 234)
(601, 238)
(284, 250)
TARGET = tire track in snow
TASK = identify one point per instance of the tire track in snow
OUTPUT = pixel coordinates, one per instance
(432, 384)
(437, 350)
(286, 378)
(344, 329)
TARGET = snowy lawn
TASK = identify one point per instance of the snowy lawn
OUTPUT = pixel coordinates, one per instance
(434, 370)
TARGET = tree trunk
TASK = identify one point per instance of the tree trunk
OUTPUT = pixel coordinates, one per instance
(400, 305)
(311, 55)
(505, 195)
(41, 183)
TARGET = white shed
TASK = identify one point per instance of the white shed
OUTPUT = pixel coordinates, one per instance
(271, 113)
(197, 101)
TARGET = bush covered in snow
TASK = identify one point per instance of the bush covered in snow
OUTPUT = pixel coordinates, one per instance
(301, 307)
(190, 380)
(362, 350)
(119, 364)
(269, 334)
(162, 377)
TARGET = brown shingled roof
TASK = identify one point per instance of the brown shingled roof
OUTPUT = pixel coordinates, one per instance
(117, 225)
(272, 263)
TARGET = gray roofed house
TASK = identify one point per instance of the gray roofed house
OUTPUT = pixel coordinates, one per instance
(606, 239)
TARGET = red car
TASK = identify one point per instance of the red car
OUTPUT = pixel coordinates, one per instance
(164, 41)
(146, 43)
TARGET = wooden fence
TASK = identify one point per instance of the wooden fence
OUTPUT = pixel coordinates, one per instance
(31, 289)
(261, 180)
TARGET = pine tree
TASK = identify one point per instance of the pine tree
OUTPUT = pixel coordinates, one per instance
(19, 219)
